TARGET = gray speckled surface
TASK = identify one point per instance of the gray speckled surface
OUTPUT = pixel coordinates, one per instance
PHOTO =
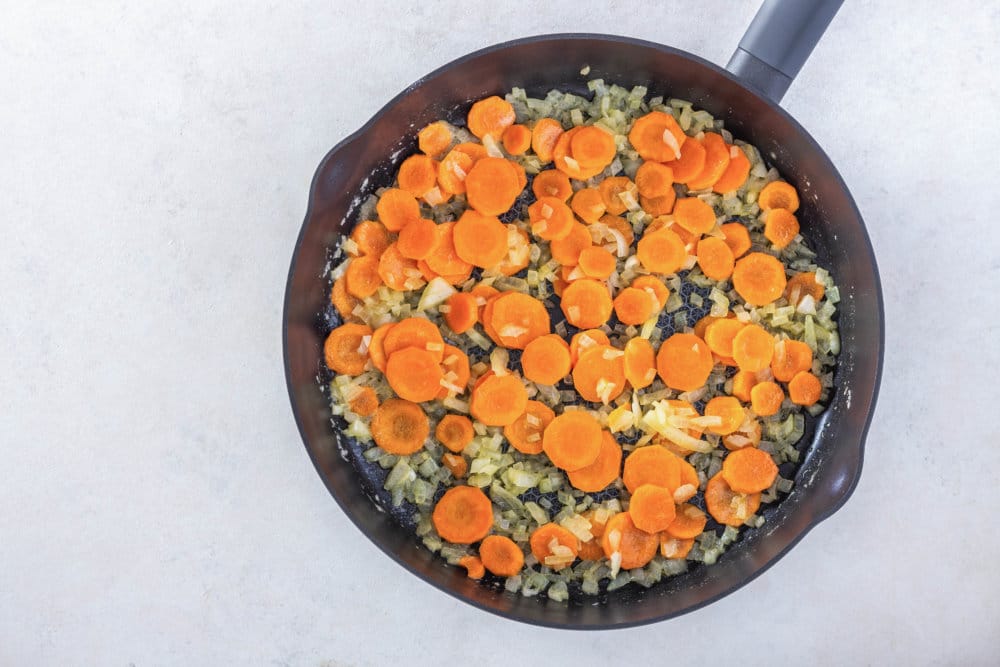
(156, 504)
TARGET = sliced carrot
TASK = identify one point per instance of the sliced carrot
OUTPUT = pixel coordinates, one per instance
(345, 349)
(688, 487)
(753, 348)
(603, 471)
(736, 172)
(674, 548)
(434, 139)
(398, 272)
(584, 340)
(684, 362)
(661, 252)
(483, 293)
(517, 139)
(651, 464)
(551, 218)
(376, 347)
(716, 162)
(364, 401)
(480, 240)
(414, 374)
(596, 262)
(501, 555)
(657, 136)
(715, 258)
(567, 250)
(748, 434)
(749, 470)
(344, 301)
(636, 547)
(499, 400)
(544, 136)
(362, 276)
(621, 226)
(701, 326)
(525, 433)
(588, 204)
(691, 162)
(591, 549)
(727, 506)
(640, 363)
(652, 508)
(586, 303)
(546, 359)
(654, 179)
(572, 440)
(552, 183)
(463, 313)
(518, 254)
(455, 367)
(729, 410)
(418, 239)
(689, 522)
(370, 237)
(492, 186)
(633, 306)
(473, 566)
(417, 174)
(565, 162)
(657, 206)
(593, 147)
(519, 319)
(805, 388)
(694, 215)
(397, 208)
(454, 432)
(778, 194)
(473, 149)
(766, 398)
(719, 335)
(655, 288)
(737, 238)
(790, 357)
(445, 260)
(801, 285)
(599, 374)
(743, 382)
(554, 546)
(610, 189)
(490, 116)
(780, 227)
(759, 278)
(400, 426)
(456, 464)
(463, 515)
(453, 170)
(414, 332)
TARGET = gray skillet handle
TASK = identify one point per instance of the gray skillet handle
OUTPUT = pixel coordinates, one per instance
(779, 41)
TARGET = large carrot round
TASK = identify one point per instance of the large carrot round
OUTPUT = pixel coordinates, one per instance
(499, 400)
(418, 239)
(759, 278)
(766, 398)
(689, 522)
(397, 208)
(603, 471)
(691, 162)
(492, 185)
(790, 357)
(749, 470)
(652, 508)
(801, 285)
(586, 303)
(414, 332)
(480, 240)
(588, 204)
(344, 301)
(414, 374)
(525, 433)
(463, 515)
(780, 227)
(417, 174)
(640, 363)
(544, 136)
(729, 410)
(584, 340)
(694, 215)
(362, 276)
(567, 251)
(434, 139)
(371, 238)
(736, 173)
(636, 547)
(593, 147)
(753, 348)
(737, 238)
(651, 464)
(657, 136)
(546, 359)
(400, 426)
(454, 432)
(662, 251)
(552, 183)
(572, 440)
(501, 555)
(633, 306)
(805, 388)
(654, 179)
(778, 194)
(727, 506)
(684, 362)
(719, 335)
(519, 319)
(554, 546)
(715, 258)
(345, 350)
(551, 219)
(517, 139)
(490, 116)
(599, 374)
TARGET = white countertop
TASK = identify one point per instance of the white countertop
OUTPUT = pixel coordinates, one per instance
(156, 503)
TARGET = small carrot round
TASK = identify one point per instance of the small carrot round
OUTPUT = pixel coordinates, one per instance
(546, 359)
(456, 464)
(434, 139)
(661, 252)
(657, 137)
(790, 357)
(639, 362)
(399, 426)
(551, 218)
(610, 189)
(599, 374)
(499, 400)
(492, 186)
(694, 215)
(363, 402)
(655, 288)
(593, 147)
(473, 566)
(455, 367)
(652, 508)
(415, 332)
(743, 382)
(603, 471)
(572, 440)
(453, 170)
(586, 303)
(651, 464)
(400, 273)
(519, 319)
(541, 542)
(654, 179)
(736, 172)
(544, 136)
(778, 194)
(719, 335)
(766, 398)
(801, 285)
(371, 237)
(715, 258)
(501, 555)
(759, 278)
(584, 340)
(657, 206)
(397, 208)
(454, 432)
(525, 433)
(414, 374)
(417, 174)
(622, 536)
(596, 262)
(684, 362)
(445, 260)
(674, 548)
(727, 506)
(749, 470)
(689, 522)
(551, 183)
(345, 350)
(737, 238)
(753, 348)
(780, 227)
(588, 204)
(729, 410)
(490, 116)
(344, 301)
(418, 239)
(463, 515)
(480, 240)
(567, 250)
(362, 276)
(516, 139)
(633, 306)
(691, 162)
(716, 162)
(463, 312)
(804, 388)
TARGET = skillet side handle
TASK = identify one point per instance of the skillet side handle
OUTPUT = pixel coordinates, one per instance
(779, 41)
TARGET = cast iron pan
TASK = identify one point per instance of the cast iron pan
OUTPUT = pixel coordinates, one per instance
(771, 53)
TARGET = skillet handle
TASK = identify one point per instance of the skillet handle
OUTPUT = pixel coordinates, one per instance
(779, 41)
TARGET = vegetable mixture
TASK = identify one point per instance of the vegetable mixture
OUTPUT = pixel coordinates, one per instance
(580, 336)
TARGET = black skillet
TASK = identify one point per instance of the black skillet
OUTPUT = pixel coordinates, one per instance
(746, 96)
